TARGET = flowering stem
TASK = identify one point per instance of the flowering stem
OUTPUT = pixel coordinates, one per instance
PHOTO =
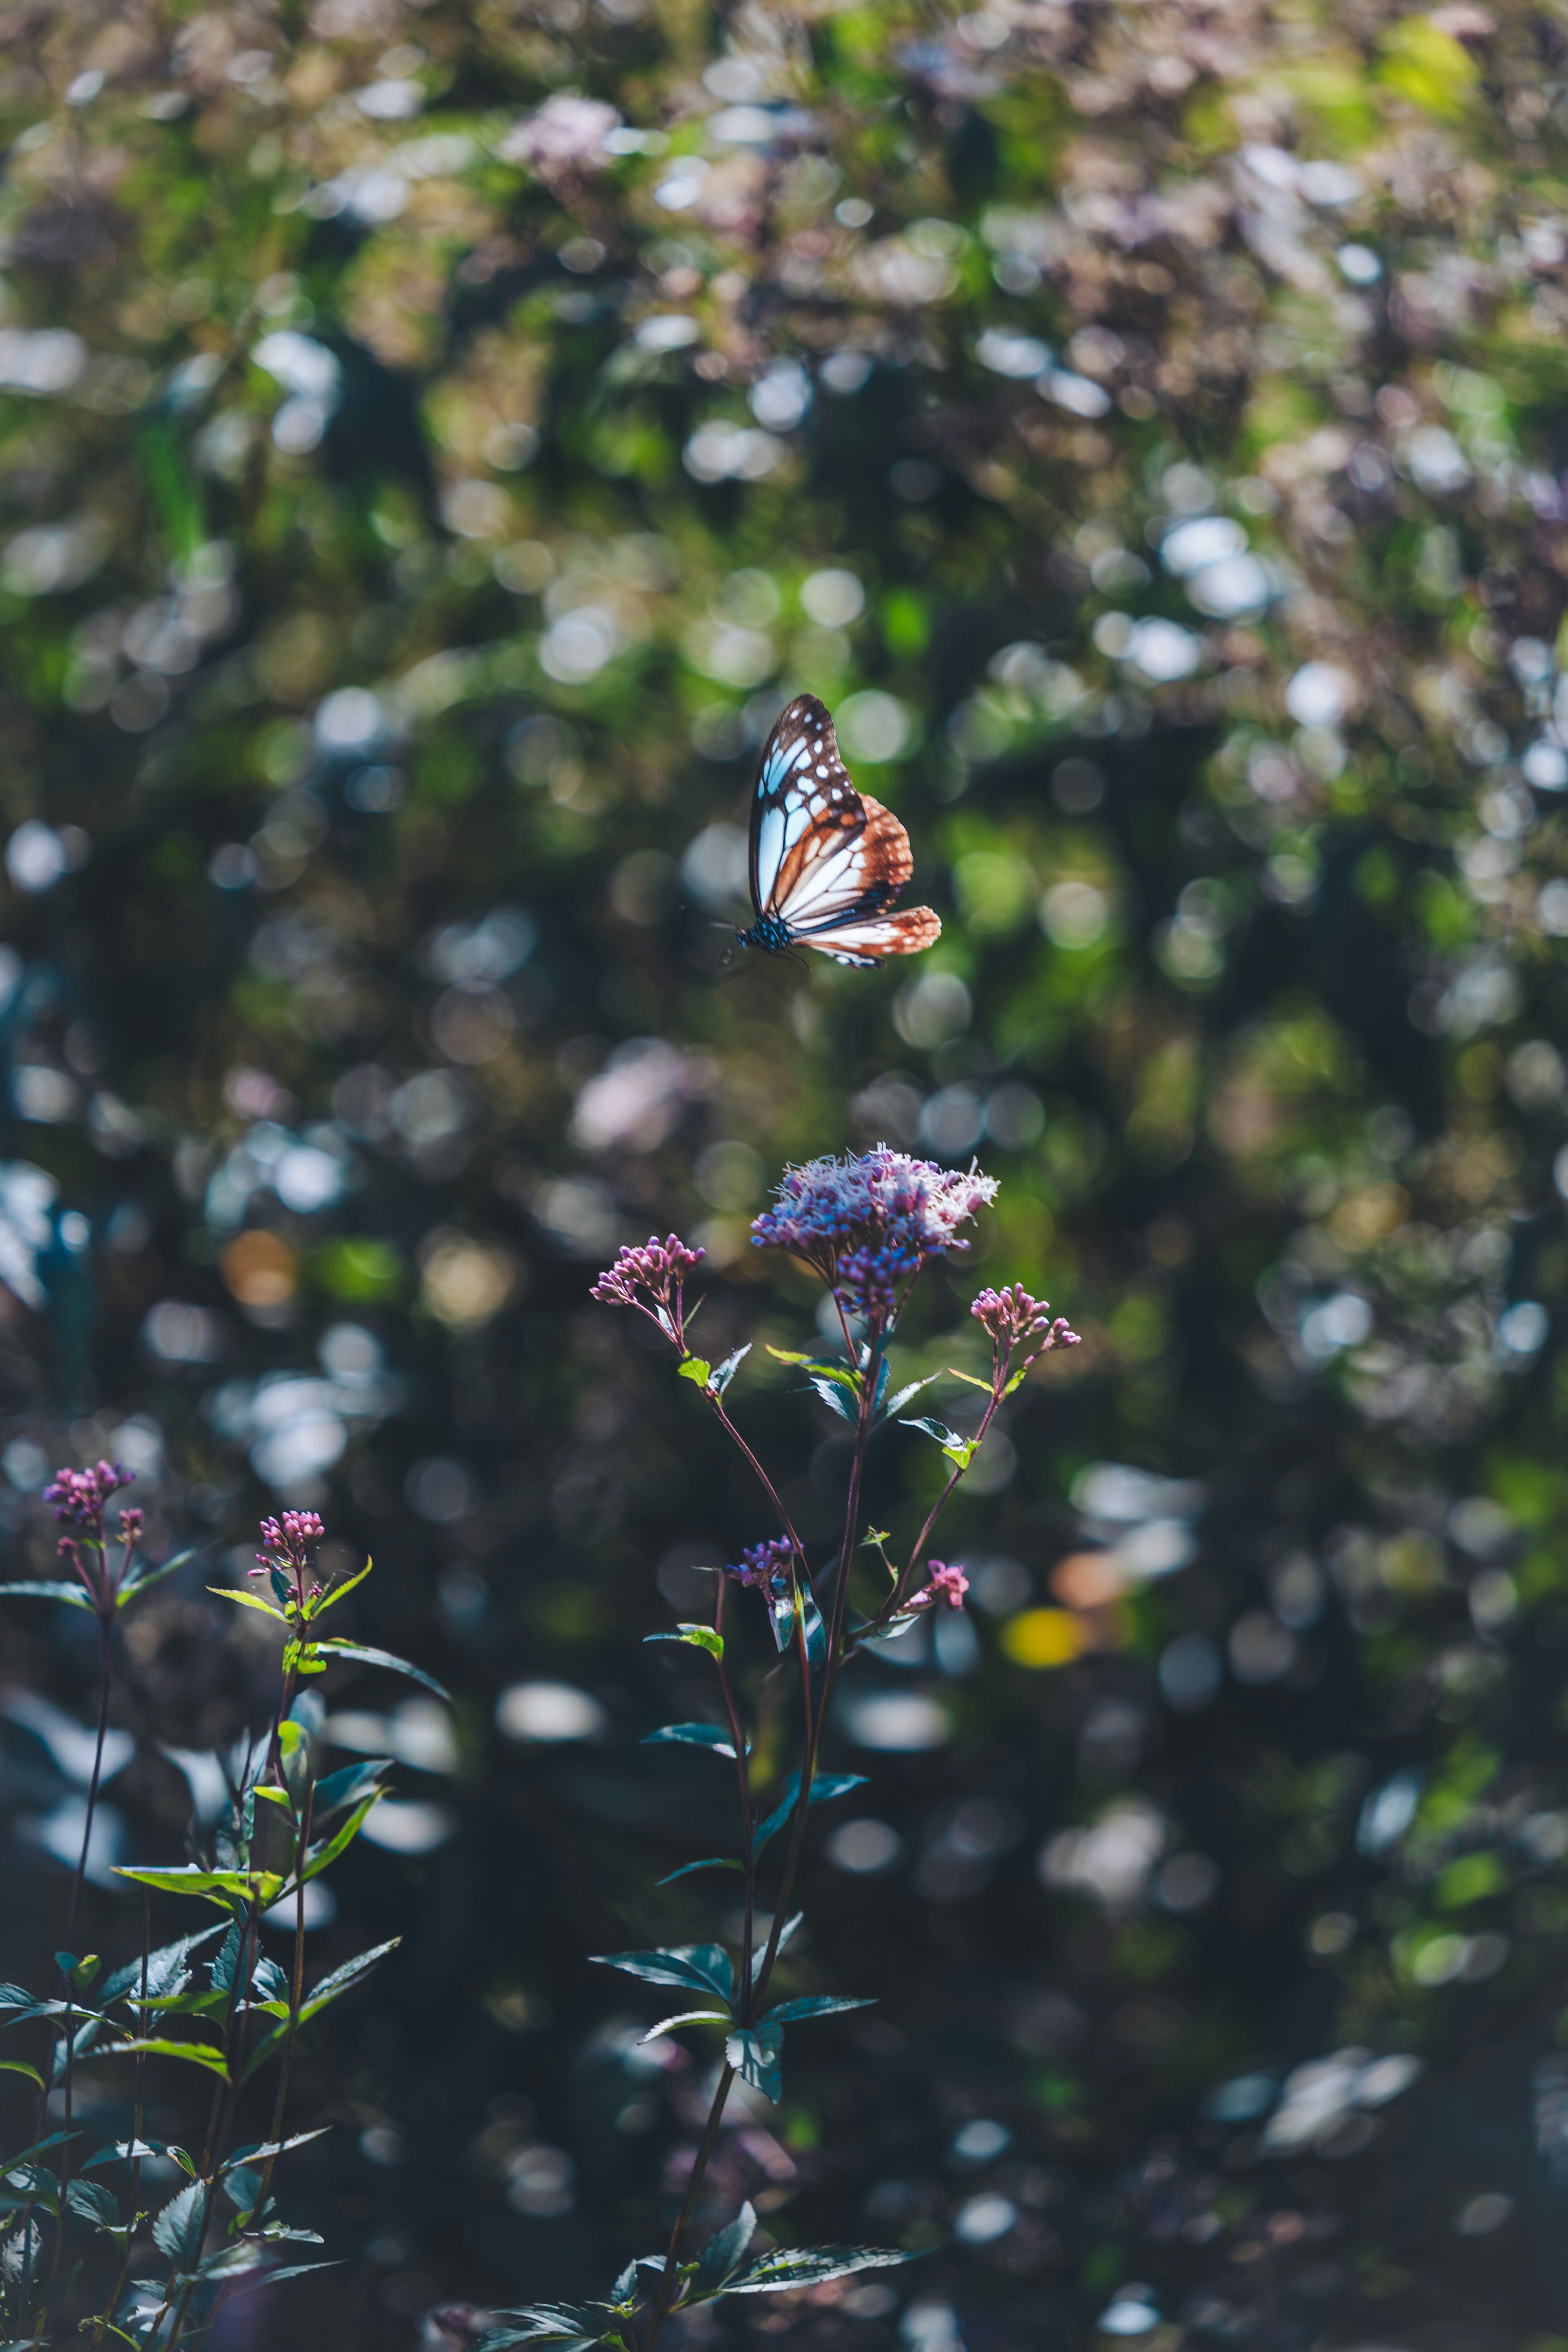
(767, 1487)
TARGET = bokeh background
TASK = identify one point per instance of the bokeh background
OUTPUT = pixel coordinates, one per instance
(436, 440)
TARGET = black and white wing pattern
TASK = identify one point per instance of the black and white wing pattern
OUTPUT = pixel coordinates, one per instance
(827, 863)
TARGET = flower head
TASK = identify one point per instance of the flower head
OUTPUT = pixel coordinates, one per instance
(869, 1224)
(652, 1280)
(766, 1565)
(1013, 1319)
(79, 1497)
(949, 1584)
(285, 1545)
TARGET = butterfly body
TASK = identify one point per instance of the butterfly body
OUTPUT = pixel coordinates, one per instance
(827, 863)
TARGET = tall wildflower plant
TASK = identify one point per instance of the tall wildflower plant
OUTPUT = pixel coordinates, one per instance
(867, 1228)
(285, 1824)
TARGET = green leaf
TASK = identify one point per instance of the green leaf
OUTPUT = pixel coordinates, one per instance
(94, 2203)
(50, 1589)
(895, 1405)
(832, 1393)
(141, 1580)
(723, 2255)
(192, 2053)
(700, 1637)
(385, 1658)
(789, 2012)
(290, 2269)
(15, 2065)
(216, 1885)
(697, 1368)
(959, 1450)
(753, 2052)
(347, 1786)
(824, 1788)
(321, 1857)
(1019, 1376)
(331, 1988)
(714, 1861)
(177, 2230)
(692, 1735)
(698, 1967)
(273, 2147)
(722, 1374)
(789, 2266)
(686, 2017)
(243, 1599)
(166, 1970)
(332, 1599)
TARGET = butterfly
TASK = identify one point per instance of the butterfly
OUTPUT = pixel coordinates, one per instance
(827, 863)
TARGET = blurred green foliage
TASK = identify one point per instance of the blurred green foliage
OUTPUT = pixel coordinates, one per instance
(436, 440)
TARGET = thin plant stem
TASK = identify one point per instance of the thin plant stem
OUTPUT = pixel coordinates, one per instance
(815, 1720)
(296, 1993)
(743, 1785)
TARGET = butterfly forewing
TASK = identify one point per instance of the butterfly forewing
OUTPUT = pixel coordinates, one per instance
(825, 861)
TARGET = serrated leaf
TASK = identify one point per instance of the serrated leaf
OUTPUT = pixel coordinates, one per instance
(687, 2017)
(723, 2254)
(714, 1861)
(753, 2052)
(177, 2230)
(789, 2012)
(788, 2266)
(722, 1374)
(192, 2053)
(692, 1735)
(242, 2186)
(701, 1967)
(288, 2271)
(385, 1658)
(94, 2203)
(696, 1367)
(55, 1588)
(835, 1397)
(166, 1971)
(824, 1788)
(232, 2261)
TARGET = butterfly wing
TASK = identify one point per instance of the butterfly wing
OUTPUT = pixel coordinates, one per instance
(867, 944)
(803, 797)
(826, 860)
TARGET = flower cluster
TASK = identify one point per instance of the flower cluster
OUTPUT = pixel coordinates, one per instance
(1012, 1319)
(80, 1497)
(285, 1547)
(652, 1280)
(949, 1584)
(867, 1225)
(764, 1565)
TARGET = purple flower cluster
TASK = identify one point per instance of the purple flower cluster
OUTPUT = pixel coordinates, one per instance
(652, 1280)
(286, 1544)
(764, 1565)
(867, 1225)
(1013, 1319)
(949, 1584)
(80, 1497)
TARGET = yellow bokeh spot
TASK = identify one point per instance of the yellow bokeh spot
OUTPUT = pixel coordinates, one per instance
(1042, 1637)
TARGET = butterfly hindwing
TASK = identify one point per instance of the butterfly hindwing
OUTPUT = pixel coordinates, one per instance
(825, 861)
